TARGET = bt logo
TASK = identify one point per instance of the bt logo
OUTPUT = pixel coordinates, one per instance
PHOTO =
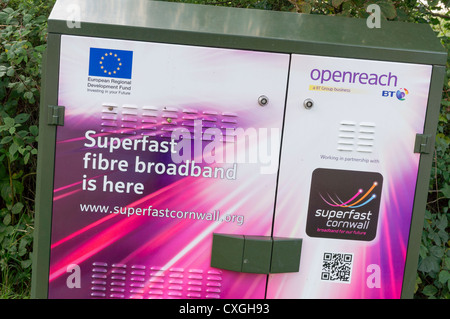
(399, 94)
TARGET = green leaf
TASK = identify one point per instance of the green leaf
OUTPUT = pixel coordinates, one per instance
(8, 10)
(429, 264)
(9, 122)
(26, 158)
(387, 9)
(423, 251)
(10, 71)
(435, 237)
(7, 219)
(336, 3)
(430, 290)
(444, 276)
(446, 190)
(306, 7)
(34, 130)
(6, 139)
(40, 48)
(17, 208)
(40, 19)
(6, 192)
(28, 95)
(443, 235)
(437, 251)
(18, 187)
(26, 263)
(13, 149)
(22, 118)
(446, 262)
(442, 223)
(2, 70)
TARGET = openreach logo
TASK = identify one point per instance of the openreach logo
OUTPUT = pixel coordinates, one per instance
(353, 77)
(400, 94)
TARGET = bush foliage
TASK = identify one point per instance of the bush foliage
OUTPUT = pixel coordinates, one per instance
(23, 41)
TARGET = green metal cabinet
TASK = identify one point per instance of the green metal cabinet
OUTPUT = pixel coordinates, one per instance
(349, 112)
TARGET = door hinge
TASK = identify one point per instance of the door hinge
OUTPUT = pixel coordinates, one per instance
(56, 115)
(423, 143)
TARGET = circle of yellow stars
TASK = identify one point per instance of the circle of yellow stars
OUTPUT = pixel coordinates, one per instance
(115, 57)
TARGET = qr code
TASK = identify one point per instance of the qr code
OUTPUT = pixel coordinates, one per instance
(337, 267)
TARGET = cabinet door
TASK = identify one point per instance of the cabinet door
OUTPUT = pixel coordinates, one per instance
(135, 208)
(348, 175)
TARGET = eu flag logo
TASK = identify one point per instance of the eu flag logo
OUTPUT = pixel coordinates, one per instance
(110, 63)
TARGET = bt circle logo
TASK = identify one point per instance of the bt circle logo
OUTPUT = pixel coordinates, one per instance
(401, 94)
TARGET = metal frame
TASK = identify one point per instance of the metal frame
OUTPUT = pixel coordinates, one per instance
(158, 21)
(45, 169)
(422, 186)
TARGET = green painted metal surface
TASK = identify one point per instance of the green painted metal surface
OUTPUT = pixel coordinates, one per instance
(45, 169)
(286, 253)
(256, 254)
(253, 29)
(423, 178)
(228, 252)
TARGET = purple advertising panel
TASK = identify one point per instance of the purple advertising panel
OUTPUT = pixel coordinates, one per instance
(165, 145)
(162, 146)
(348, 175)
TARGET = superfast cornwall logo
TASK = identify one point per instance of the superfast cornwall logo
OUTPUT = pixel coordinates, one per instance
(344, 204)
